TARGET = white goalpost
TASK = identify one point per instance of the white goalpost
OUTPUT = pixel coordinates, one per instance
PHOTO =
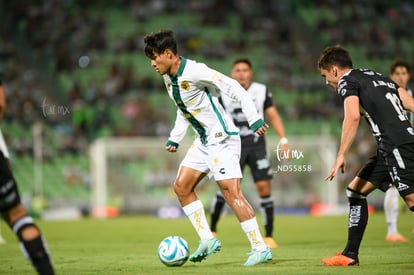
(135, 175)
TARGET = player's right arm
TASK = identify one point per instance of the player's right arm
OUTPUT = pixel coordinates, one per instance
(177, 133)
(349, 130)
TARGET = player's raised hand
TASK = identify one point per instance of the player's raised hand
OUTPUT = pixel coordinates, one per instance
(339, 164)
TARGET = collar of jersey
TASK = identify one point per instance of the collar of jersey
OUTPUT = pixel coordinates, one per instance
(180, 69)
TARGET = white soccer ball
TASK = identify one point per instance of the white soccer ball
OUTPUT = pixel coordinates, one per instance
(173, 251)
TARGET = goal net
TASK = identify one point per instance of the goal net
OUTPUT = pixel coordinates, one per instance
(135, 175)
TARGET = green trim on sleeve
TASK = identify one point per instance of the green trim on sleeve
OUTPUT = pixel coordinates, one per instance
(257, 125)
(171, 143)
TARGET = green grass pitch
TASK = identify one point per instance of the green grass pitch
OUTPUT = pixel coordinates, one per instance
(128, 245)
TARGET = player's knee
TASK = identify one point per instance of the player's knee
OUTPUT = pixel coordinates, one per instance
(180, 190)
(354, 194)
(25, 229)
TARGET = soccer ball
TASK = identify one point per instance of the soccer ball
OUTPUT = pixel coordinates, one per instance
(173, 251)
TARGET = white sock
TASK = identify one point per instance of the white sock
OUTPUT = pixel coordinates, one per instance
(195, 212)
(251, 228)
(391, 209)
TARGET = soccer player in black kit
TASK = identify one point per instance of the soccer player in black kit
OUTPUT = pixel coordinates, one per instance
(254, 153)
(31, 241)
(382, 103)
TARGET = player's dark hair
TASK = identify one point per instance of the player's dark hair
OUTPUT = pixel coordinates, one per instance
(399, 63)
(157, 43)
(243, 60)
(334, 55)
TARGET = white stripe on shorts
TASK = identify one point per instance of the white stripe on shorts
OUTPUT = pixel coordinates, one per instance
(398, 157)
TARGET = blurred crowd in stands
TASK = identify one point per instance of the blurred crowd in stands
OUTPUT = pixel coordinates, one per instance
(40, 40)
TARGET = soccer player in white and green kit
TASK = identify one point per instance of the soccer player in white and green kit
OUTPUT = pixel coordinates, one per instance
(193, 87)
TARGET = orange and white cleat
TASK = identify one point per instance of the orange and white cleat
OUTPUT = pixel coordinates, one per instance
(396, 238)
(340, 260)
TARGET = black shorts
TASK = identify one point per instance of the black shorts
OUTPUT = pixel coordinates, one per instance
(396, 168)
(9, 194)
(258, 161)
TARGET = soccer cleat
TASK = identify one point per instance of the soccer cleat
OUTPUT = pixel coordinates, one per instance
(270, 242)
(206, 248)
(396, 238)
(340, 260)
(257, 257)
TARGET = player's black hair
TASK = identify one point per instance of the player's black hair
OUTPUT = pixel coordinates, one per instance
(334, 55)
(399, 63)
(157, 43)
(243, 60)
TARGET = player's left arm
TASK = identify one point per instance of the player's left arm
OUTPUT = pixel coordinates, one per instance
(275, 121)
(407, 99)
(233, 89)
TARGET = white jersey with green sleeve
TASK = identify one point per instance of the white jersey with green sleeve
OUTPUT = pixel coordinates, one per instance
(194, 90)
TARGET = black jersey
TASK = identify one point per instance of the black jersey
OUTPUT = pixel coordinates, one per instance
(262, 99)
(378, 96)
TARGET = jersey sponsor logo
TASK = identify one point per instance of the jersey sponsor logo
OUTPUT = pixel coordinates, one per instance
(185, 86)
(354, 215)
(219, 134)
(222, 171)
(196, 112)
(342, 84)
(402, 186)
(341, 87)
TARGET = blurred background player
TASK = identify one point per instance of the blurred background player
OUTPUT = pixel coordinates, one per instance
(253, 152)
(400, 74)
(216, 149)
(31, 241)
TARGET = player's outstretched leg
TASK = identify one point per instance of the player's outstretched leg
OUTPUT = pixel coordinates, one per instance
(205, 248)
(208, 243)
(257, 257)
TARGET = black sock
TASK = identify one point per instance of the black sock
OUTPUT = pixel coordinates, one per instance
(35, 250)
(38, 255)
(268, 215)
(215, 215)
(357, 222)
